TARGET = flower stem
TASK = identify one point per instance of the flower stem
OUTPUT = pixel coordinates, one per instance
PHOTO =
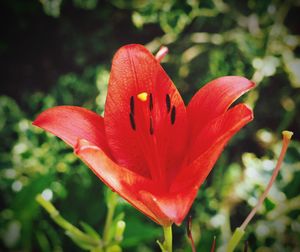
(111, 205)
(235, 239)
(240, 231)
(168, 238)
(63, 223)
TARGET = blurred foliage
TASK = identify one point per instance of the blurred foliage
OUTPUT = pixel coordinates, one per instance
(65, 59)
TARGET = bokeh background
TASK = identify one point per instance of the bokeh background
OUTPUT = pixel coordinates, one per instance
(56, 52)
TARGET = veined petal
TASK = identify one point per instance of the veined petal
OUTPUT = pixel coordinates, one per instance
(172, 207)
(71, 123)
(126, 183)
(208, 146)
(214, 99)
(145, 117)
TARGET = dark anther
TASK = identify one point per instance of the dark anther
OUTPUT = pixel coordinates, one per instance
(132, 105)
(132, 122)
(151, 126)
(168, 103)
(150, 102)
(173, 115)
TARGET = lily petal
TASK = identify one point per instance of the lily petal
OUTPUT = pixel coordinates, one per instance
(214, 99)
(174, 206)
(126, 183)
(70, 123)
(145, 117)
(213, 138)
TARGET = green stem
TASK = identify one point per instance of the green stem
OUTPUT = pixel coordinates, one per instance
(235, 239)
(109, 217)
(63, 223)
(168, 238)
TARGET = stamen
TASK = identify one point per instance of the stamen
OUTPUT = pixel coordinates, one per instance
(142, 96)
(151, 126)
(287, 135)
(132, 122)
(132, 105)
(240, 231)
(168, 103)
(150, 102)
(173, 115)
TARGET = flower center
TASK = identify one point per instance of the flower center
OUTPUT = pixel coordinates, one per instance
(144, 97)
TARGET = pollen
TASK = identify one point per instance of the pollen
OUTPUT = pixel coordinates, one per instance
(142, 96)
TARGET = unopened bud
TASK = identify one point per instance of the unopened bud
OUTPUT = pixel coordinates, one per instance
(120, 228)
(161, 53)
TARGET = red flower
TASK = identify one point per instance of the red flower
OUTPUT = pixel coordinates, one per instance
(150, 148)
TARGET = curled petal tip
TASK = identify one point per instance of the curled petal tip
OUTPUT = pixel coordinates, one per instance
(251, 115)
(71, 122)
(78, 146)
(37, 122)
(83, 144)
(245, 110)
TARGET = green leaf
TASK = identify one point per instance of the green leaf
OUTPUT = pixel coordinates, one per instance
(137, 232)
(114, 248)
(82, 244)
(90, 230)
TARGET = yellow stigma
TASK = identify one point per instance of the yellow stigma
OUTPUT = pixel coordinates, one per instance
(142, 96)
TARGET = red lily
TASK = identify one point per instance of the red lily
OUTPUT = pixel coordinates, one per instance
(150, 148)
